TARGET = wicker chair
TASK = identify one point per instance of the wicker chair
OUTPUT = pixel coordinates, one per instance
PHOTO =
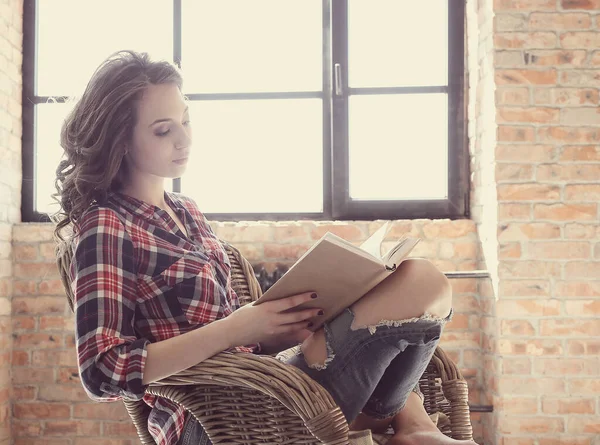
(246, 399)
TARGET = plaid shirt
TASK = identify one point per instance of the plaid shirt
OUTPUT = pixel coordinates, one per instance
(137, 279)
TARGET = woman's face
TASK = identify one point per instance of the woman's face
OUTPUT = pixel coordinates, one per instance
(162, 137)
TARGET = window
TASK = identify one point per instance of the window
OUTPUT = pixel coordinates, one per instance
(303, 109)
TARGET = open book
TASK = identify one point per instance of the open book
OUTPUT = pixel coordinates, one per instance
(339, 272)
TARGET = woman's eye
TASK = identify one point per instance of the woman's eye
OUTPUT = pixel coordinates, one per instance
(164, 133)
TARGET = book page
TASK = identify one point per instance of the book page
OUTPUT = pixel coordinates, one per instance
(373, 244)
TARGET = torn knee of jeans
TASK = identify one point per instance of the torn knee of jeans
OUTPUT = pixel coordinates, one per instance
(396, 323)
(330, 357)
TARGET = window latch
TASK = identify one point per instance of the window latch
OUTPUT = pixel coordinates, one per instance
(337, 69)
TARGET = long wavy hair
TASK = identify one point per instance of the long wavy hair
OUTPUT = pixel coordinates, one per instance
(96, 132)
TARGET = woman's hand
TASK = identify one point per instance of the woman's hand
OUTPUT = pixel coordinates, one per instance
(264, 322)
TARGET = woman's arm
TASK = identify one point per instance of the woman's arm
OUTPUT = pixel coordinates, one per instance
(175, 354)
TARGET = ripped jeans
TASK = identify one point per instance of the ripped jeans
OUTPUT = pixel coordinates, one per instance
(371, 369)
(375, 368)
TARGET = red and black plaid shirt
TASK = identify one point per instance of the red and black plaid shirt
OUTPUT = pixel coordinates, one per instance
(137, 279)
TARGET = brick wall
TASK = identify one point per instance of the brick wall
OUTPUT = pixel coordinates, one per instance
(547, 71)
(50, 405)
(10, 186)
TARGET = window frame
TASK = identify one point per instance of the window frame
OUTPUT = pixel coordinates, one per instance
(337, 204)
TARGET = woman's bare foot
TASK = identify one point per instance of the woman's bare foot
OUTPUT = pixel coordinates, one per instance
(426, 438)
(412, 426)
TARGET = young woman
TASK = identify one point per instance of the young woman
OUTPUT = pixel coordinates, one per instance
(152, 283)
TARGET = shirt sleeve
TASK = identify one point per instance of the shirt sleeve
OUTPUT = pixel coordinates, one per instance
(110, 357)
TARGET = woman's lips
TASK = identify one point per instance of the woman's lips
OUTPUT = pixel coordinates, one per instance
(181, 161)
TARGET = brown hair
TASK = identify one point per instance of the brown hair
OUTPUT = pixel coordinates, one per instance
(98, 128)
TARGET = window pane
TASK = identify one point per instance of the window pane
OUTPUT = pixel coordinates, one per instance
(398, 146)
(76, 36)
(252, 46)
(47, 153)
(397, 43)
(256, 156)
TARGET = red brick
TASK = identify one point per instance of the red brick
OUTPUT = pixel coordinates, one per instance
(524, 288)
(509, 251)
(569, 134)
(39, 410)
(580, 269)
(54, 358)
(559, 250)
(528, 269)
(566, 96)
(25, 288)
(24, 393)
(559, 20)
(582, 231)
(49, 323)
(517, 405)
(531, 425)
(568, 406)
(576, 289)
(27, 376)
(516, 346)
(568, 440)
(525, 232)
(582, 192)
(52, 287)
(68, 375)
(100, 411)
(526, 77)
(565, 212)
(583, 308)
(570, 172)
(23, 323)
(513, 172)
(42, 441)
(48, 251)
(458, 322)
(528, 192)
(38, 341)
(88, 441)
(516, 365)
(578, 425)
(285, 250)
(449, 229)
(519, 40)
(514, 211)
(570, 327)
(580, 78)
(580, 40)
(556, 57)
(20, 358)
(584, 386)
(35, 270)
(508, 133)
(580, 116)
(25, 252)
(580, 4)
(559, 366)
(595, 61)
(39, 305)
(348, 232)
(72, 428)
(62, 393)
(583, 347)
(119, 429)
(32, 232)
(581, 153)
(512, 96)
(461, 339)
(525, 153)
(26, 428)
(525, 5)
(517, 327)
(512, 440)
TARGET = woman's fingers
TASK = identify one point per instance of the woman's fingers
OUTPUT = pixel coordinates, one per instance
(293, 301)
(293, 327)
(298, 316)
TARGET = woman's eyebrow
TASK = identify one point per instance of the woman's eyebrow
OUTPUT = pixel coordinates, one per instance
(166, 119)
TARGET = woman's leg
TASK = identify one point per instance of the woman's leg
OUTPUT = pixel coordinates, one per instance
(415, 294)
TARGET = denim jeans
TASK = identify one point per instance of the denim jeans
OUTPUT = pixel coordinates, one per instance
(372, 369)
